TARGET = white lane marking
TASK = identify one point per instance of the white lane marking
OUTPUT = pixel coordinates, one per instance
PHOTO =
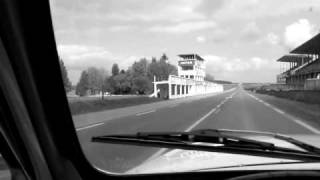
(301, 123)
(217, 108)
(217, 111)
(278, 110)
(162, 150)
(267, 104)
(90, 126)
(229, 90)
(200, 120)
(306, 126)
(217, 94)
(174, 105)
(146, 112)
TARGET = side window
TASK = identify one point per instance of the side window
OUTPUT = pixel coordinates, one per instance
(4, 169)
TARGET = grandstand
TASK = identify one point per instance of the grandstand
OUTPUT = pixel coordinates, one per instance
(301, 68)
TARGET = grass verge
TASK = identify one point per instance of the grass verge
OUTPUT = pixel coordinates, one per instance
(86, 106)
(306, 111)
(311, 97)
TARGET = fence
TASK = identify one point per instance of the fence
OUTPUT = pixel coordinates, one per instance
(312, 84)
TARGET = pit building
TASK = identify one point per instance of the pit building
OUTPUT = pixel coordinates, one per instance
(189, 82)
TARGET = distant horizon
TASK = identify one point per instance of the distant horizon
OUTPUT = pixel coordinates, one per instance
(241, 40)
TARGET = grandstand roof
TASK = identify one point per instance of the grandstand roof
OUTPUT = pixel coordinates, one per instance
(311, 46)
(292, 58)
(191, 56)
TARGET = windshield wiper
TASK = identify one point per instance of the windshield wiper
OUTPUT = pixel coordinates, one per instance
(300, 144)
(208, 140)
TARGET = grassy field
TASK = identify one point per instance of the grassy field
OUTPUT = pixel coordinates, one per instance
(93, 104)
(311, 97)
(229, 86)
(306, 96)
(98, 97)
(81, 105)
(306, 111)
(302, 104)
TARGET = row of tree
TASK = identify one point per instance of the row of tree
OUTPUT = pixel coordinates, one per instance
(64, 73)
(137, 79)
(91, 81)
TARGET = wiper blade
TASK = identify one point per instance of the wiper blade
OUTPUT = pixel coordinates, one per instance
(207, 140)
(187, 138)
(300, 144)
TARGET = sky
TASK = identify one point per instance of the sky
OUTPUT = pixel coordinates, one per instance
(239, 39)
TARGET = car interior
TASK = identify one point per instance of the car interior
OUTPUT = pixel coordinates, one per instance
(38, 138)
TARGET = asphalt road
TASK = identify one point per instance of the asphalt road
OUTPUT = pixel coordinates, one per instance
(235, 109)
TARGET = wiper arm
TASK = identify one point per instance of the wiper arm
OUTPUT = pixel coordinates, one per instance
(207, 140)
(187, 138)
(300, 144)
(217, 136)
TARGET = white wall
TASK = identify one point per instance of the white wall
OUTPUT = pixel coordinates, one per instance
(194, 87)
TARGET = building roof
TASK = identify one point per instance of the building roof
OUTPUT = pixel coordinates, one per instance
(293, 58)
(191, 56)
(311, 46)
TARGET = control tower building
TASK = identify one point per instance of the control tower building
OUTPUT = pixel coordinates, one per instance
(191, 66)
(189, 82)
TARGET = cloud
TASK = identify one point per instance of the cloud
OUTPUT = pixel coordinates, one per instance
(223, 64)
(118, 28)
(254, 69)
(298, 32)
(215, 35)
(128, 61)
(184, 27)
(251, 32)
(129, 10)
(79, 57)
(272, 38)
(165, 10)
(258, 63)
(230, 27)
(254, 9)
(219, 34)
(201, 39)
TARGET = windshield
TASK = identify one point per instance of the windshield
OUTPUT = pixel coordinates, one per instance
(137, 66)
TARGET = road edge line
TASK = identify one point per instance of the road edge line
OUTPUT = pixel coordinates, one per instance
(90, 126)
(145, 112)
(290, 117)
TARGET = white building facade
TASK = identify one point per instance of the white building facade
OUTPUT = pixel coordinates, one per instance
(191, 66)
(189, 82)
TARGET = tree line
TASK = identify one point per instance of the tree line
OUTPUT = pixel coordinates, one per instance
(137, 79)
(64, 73)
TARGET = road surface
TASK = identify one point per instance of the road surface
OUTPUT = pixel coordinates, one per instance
(235, 109)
